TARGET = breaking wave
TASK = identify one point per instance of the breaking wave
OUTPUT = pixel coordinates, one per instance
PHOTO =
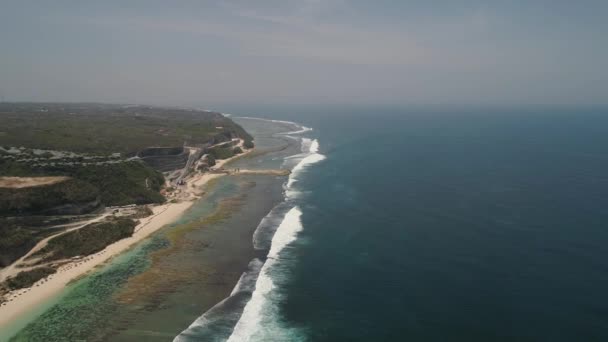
(312, 158)
(217, 323)
(253, 315)
(250, 312)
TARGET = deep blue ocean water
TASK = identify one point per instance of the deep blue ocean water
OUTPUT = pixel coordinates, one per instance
(448, 225)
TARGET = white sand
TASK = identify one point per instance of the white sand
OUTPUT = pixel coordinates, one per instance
(23, 301)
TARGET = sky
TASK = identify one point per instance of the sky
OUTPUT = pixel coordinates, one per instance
(396, 52)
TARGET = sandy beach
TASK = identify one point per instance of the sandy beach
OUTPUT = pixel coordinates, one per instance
(20, 302)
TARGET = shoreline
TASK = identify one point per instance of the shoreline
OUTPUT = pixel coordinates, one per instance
(268, 236)
(23, 301)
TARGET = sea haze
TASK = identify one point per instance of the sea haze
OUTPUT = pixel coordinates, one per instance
(447, 225)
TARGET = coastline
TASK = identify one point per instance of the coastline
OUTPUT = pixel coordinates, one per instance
(194, 264)
(234, 316)
(23, 301)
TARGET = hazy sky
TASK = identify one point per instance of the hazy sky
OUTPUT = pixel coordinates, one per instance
(306, 51)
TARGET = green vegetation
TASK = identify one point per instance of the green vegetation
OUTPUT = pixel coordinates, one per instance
(248, 144)
(14, 242)
(122, 183)
(103, 128)
(28, 278)
(221, 152)
(141, 212)
(210, 160)
(237, 150)
(87, 240)
(99, 129)
(19, 234)
(73, 192)
(92, 144)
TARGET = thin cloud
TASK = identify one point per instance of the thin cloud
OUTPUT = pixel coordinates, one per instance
(294, 36)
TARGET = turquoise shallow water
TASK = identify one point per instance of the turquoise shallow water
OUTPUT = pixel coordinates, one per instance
(89, 306)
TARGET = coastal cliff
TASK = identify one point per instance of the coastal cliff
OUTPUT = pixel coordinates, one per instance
(92, 157)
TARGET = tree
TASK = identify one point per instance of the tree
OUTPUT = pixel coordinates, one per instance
(210, 160)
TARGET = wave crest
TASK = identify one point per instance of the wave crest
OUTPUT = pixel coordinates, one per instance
(254, 293)
(252, 316)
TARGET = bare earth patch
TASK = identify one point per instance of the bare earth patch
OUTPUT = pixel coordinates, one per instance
(26, 182)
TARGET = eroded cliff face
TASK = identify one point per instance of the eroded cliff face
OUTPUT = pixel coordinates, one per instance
(174, 158)
(165, 158)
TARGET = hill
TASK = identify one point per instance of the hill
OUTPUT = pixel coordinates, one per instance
(108, 128)
(60, 161)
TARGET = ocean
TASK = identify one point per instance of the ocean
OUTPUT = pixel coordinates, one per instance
(420, 224)
(442, 225)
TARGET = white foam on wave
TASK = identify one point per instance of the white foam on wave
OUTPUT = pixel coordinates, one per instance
(301, 129)
(246, 281)
(313, 157)
(306, 143)
(251, 318)
(250, 322)
(262, 237)
(314, 146)
(217, 315)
